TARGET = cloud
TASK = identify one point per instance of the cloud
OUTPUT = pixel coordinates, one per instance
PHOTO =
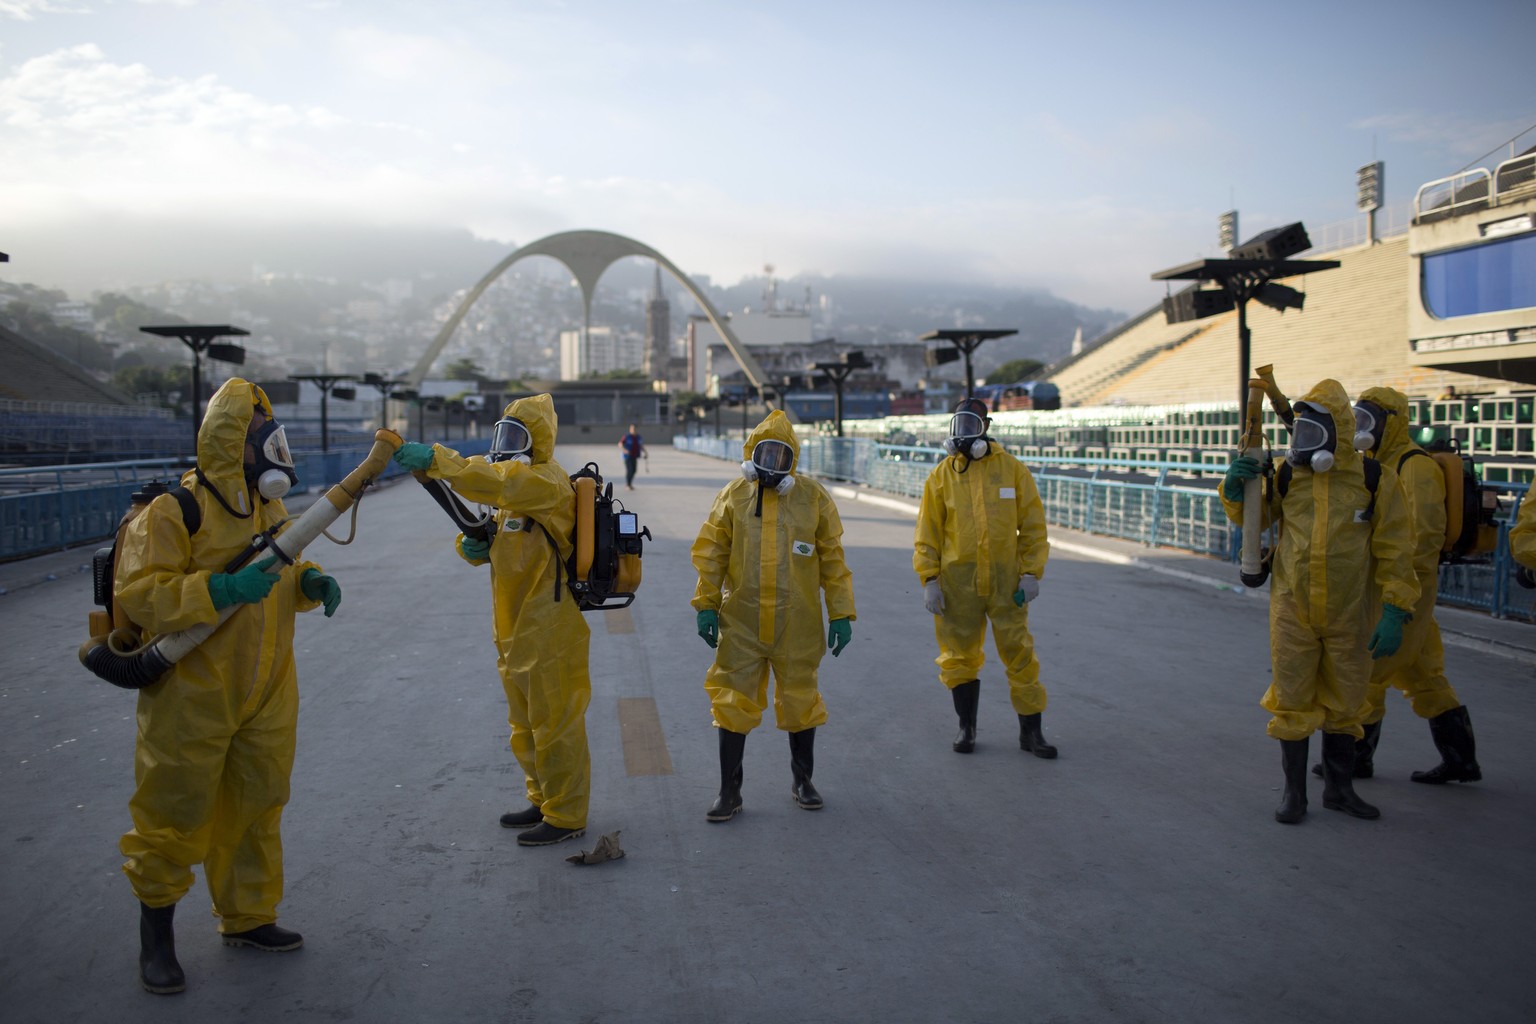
(26, 10)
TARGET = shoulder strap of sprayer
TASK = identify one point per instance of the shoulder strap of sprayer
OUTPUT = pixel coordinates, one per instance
(1372, 481)
(191, 514)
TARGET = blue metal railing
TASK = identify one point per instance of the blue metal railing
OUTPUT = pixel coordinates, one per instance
(1164, 504)
(49, 508)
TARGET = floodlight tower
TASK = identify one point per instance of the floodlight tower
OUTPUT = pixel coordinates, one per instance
(837, 372)
(1248, 273)
(326, 382)
(966, 341)
(199, 338)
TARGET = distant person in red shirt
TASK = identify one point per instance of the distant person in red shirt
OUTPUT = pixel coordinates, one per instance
(634, 450)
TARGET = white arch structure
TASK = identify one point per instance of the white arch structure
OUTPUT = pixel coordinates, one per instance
(588, 255)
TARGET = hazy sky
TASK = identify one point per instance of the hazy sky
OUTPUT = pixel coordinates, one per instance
(1074, 146)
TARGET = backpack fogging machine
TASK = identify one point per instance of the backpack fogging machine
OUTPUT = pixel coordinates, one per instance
(141, 667)
(1254, 568)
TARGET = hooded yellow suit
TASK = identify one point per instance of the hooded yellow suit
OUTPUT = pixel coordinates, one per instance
(216, 734)
(541, 642)
(1522, 536)
(1418, 667)
(977, 533)
(1322, 604)
(765, 576)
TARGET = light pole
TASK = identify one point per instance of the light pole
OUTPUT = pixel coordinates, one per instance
(838, 372)
(1250, 273)
(966, 341)
(199, 338)
(385, 384)
(325, 382)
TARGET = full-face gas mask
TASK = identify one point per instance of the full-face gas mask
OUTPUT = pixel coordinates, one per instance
(271, 472)
(510, 441)
(1370, 425)
(1314, 439)
(770, 465)
(968, 430)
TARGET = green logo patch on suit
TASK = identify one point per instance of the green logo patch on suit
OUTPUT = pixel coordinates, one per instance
(801, 547)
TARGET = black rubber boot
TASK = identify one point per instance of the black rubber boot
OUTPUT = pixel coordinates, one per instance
(802, 761)
(966, 696)
(158, 969)
(1032, 739)
(1339, 777)
(1365, 753)
(1293, 759)
(728, 804)
(1452, 733)
(545, 834)
(267, 937)
(525, 818)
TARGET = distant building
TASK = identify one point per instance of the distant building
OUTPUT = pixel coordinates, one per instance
(603, 351)
(658, 332)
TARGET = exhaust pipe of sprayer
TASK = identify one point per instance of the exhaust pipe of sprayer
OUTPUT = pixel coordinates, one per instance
(151, 662)
(1253, 571)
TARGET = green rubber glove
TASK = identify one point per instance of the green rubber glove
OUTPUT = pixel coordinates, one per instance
(248, 586)
(1388, 636)
(1243, 469)
(414, 456)
(317, 586)
(839, 632)
(709, 626)
(474, 550)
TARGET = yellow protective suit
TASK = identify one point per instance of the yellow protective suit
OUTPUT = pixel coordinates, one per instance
(541, 642)
(216, 734)
(1522, 536)
(978, 531)
(1322, 605)
(764, 576)
(1418, 667)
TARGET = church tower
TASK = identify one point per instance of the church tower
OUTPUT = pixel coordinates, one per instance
(658, 332)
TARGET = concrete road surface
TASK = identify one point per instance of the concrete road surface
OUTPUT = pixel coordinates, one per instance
(1140, 877)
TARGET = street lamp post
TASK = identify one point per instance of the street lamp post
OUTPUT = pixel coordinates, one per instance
(838, 372)
(385, 384)
(325, 382)
(200, 338)
(1250, 273)
(967, 341)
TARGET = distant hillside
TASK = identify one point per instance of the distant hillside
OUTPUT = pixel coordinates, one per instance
(121, 256)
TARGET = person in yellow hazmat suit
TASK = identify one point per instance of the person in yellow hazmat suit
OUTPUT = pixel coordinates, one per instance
(1344, 550)
(1522, 543)
(979, 552)
(216, 734)
(541, 637)
(770, 548)
(1418, 667)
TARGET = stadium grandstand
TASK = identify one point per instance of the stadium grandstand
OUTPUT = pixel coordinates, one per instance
(1444, 312)
(52, 411)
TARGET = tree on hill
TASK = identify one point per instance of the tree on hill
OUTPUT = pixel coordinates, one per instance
(1014, 369)
(464, 369)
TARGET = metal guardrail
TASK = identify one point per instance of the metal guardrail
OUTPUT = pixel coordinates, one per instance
(51, 508)
(1162, 504)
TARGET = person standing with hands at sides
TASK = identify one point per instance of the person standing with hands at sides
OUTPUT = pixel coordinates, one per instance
(541, 637)
(1418, 667)
(1522, 542)
(770, 548)
(1344, 545)
(979, 552)
(634, 450)
(216, 734)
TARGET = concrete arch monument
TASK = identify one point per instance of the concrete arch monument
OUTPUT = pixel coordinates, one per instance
(587, 254)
